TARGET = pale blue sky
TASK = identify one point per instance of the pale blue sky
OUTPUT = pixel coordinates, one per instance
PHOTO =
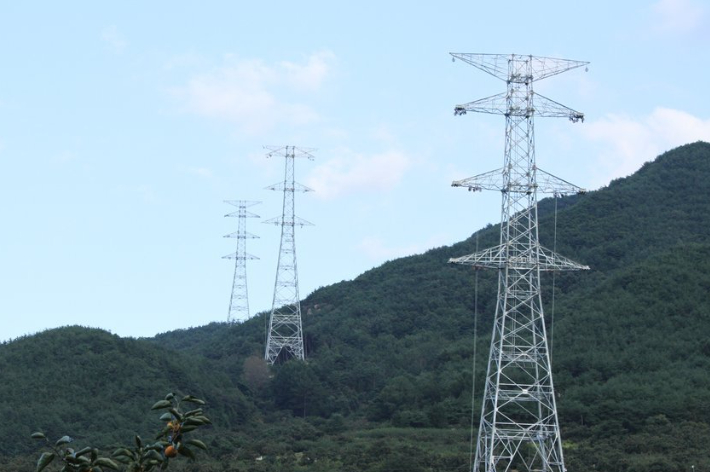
(124, 127)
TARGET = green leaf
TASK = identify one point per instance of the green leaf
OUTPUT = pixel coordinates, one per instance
(139, 441)
(204, 419)
(158, 446)
(81, 452)
(44, 461)
(176, 414)
(195, 412)
(106, 462)
(192, 399)
(38, 435)
(161, 404)
(169, 396)
(154, 455)
(188, 428)
(166, 417)
(122, 451)
(197, 443)
(63, 440)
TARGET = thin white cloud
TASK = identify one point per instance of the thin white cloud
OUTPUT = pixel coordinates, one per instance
(678, 16)
(357, 173)
(630, 142)
(114, 39)
(310, 76)
(256, 96)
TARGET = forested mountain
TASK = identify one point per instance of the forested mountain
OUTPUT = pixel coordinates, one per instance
(387, 385)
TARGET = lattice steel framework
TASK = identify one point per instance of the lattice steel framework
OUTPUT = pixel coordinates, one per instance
(285, 329)
(239, 301)
(519, 429)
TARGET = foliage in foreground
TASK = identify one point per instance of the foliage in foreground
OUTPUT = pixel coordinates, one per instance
(170, 442)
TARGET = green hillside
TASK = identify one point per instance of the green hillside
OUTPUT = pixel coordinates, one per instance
(98, 387)
(387, 385)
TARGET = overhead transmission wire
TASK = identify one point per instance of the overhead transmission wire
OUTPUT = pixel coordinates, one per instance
(473, 366)
(554, 272)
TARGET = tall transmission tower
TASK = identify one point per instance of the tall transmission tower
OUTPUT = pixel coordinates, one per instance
(239, 301)
(519, 429)
(285, 333)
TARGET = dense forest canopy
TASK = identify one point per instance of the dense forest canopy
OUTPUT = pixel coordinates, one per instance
(388, 381)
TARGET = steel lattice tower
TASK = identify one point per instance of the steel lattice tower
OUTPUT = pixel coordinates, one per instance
(239, 301)
(519, 428)
(285, 329)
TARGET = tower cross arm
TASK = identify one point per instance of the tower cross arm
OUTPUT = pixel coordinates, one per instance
(288, 188)
(536, 67)
(546, 107)
(498, 105)
(235, 255)
(548, 183)
(494, 105)
(286, 221)
(241, 235)
(492, 180)
(537, 257)
(290, 151)
(244, 214)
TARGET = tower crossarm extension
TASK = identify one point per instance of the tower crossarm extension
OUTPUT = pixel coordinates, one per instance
(548, 183)
(290, 187)
(293, 151)
(245, 257)
(242, 214)
(241, 235)
(494, 180)
(500, 105)
(286, 221)
(499, 257)
(499, 65)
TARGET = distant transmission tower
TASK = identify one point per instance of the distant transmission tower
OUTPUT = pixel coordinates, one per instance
(519, 429)
(239, 301)
(285, 330)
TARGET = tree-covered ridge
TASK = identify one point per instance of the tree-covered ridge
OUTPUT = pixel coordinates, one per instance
(98, 386)
(390, 352)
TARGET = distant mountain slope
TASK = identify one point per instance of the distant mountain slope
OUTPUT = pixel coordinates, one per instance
(395, 343)
(392, 348)
(97, 386)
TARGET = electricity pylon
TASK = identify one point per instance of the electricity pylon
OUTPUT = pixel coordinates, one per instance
(239, 301)
(519, 429)
(285, 328)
